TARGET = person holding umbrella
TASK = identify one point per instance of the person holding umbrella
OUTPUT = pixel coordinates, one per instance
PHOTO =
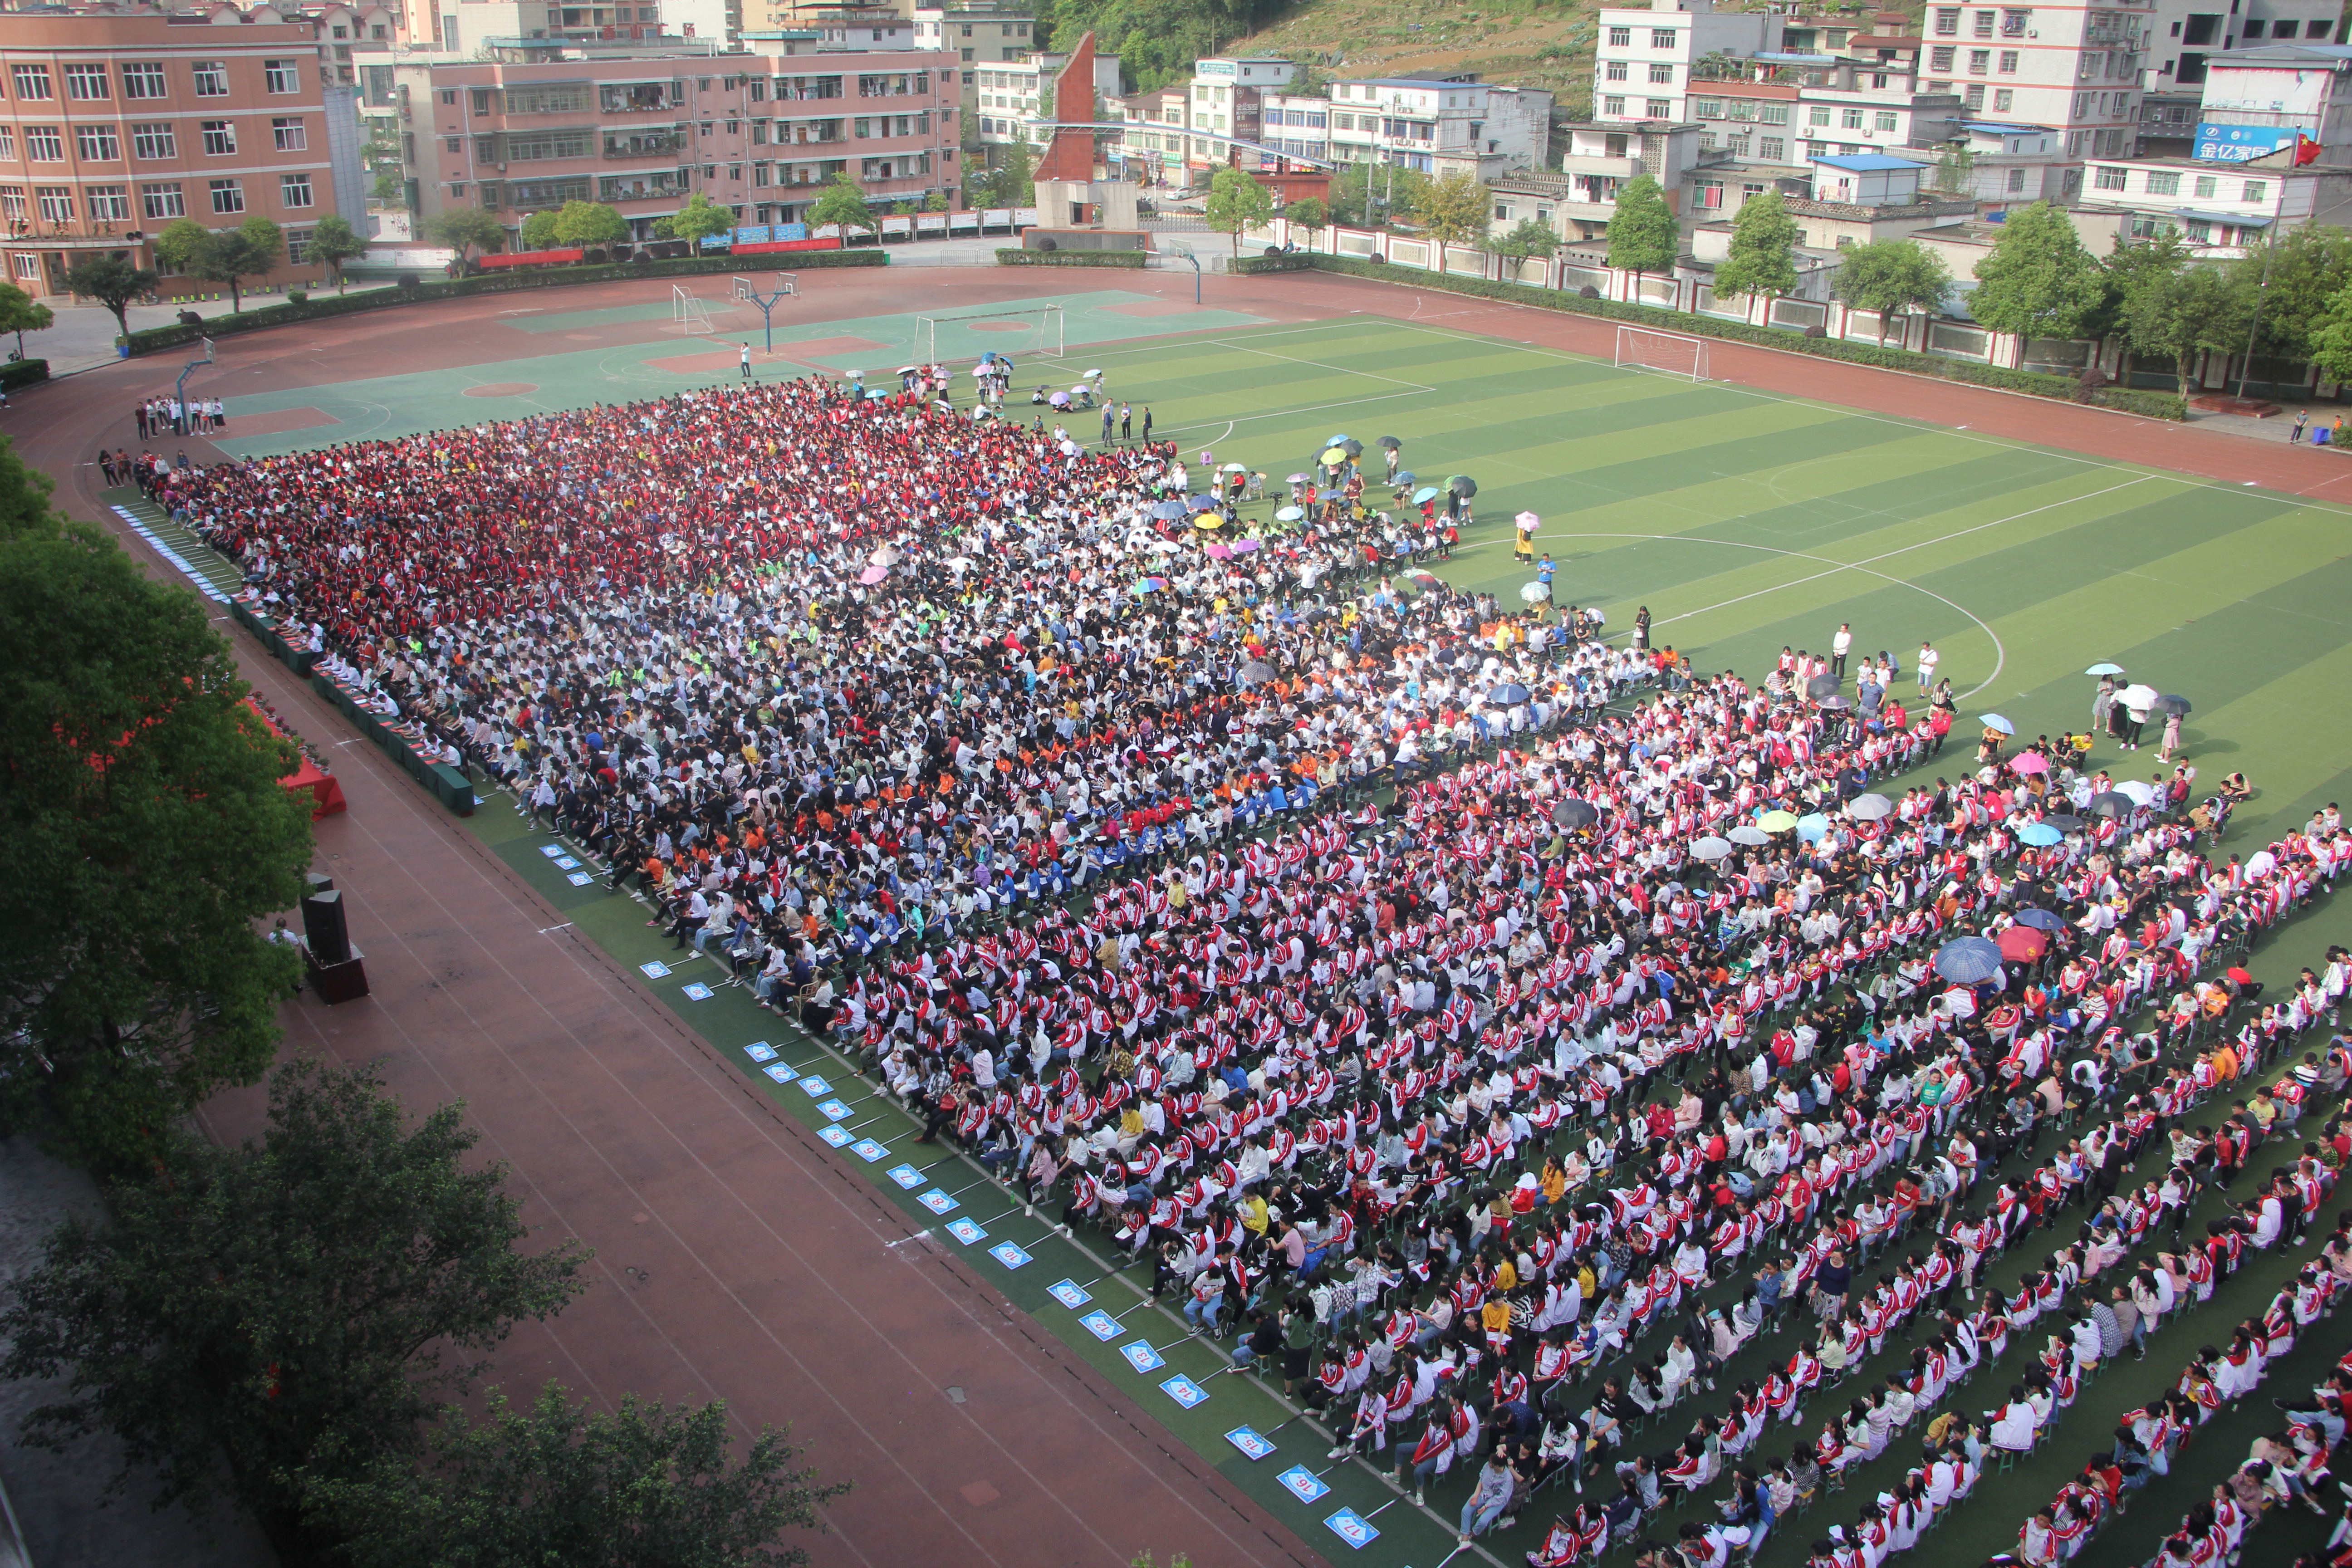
(2172, 715)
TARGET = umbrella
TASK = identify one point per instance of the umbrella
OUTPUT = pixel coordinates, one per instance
(1823, 685)
(1869, 807)
(1201, 503)
(2141, 794)
(1151, 585)
(2140, 695)
(1995, 722)
(1209, 520)
(906, 369)
(1968, 960)
(1353, 448)
(2107, 803)
(2104, 669)
(872, 575)
(1426, 579)
(1575, 814)
(2023, 944)
(1391, 442)
(1243, 546)
(2040, 835)
(2064, 822)
(1426, 492)
(1407, 587)
(1748, 833)
(2040, 919)
(2030, 762)
(1255, 671)
(1535, 593)
(886, 556)
(1332, 457)
(1407, 477)
(1836, 703)
(1237, 468)
(1812, 827)
(1298, 478)
(1509, 692)
(2171, 704)
(1165, 547)
(1463, 485)
(1776, 821)
(1218, 552)
(1090, 374)
(1168, 509)
(1709, 849)
(1080, 390)
(875, 395)
(1341, 439)
(1289, 514)
(1527, 520)
(1060, 400)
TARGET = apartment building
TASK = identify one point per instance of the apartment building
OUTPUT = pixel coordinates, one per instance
(1295, 124)
(1644, 58)
(2219, 210)
(1014, 94)
(2188, 35)
(1153, 154)
(1437, 124)
(112, 126)
(977, 32)
(2257, 101)
(2075, 69)
(759, 131)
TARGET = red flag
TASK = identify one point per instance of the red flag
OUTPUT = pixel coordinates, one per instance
(2306, 151)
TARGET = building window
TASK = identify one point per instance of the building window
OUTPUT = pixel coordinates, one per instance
(1706, 109)
(2106, 179)
(97, 143)
(1662, 37)
(162, 202)
(154, 141)
(1947, 21)
(2208, 187)
(1980, 61)
(2256, 190)
(88, 83)
(2016, 182)
(2165, 184)
(1613, 71)
(1974, 97)
(1939, 58)
(143, 79)
(1612, 106)
(1772, 149)
(228, 196)
(1886, 120)
(33, 83)
(1980, 25)
(1851, 118)
(2002, 98)
(55, 202)
(12, 203)
(294, 190)
(287, 131)
(2201, 233)
(1662, 72)
(283, 76)
(212, 78)
(108, 204)
(45, 144)
(1818, 115)
(2012, 24)
(1620, 38)
(220, 138)
(298, 245)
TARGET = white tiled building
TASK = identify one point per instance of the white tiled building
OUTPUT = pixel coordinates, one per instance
(2190, 37)
(2073, 67)
(1643, 61)
(1010, 94)
(2218, 209)
(1436, 124)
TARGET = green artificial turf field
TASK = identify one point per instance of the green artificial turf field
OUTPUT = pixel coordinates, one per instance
(1744, 521)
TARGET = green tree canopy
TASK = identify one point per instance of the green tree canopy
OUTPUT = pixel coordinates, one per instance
(255, 1322)
(333, 242)
(1453, 209)
(21, 313)
(558, 1484)
(2180, 310)
(112, 281)
(699, 219)
(1310, 213)
(228, 256)
(584, 224)
(842, 203)
(1369, 195)
(1155, 43)
(469, 231)
(178, 241)
(1529, 236)
(1762, 258)
(1890, 277)
(2038, 281)
(142, 830)
(1643, 234)
(2300, 276)
(1013, 182)
(1236, 203)
(539, 232)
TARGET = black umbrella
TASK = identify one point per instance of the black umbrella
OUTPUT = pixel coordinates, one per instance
(1391, 442)
(2063, 821)
(1574, 813)
(1255, 671)
(2110, 802)
(1463, 485)
(2040, 919)
(1353, 448)
(1823, 685)
(2170, 704)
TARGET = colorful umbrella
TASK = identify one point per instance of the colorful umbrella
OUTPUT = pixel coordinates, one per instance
(1407, 477)
(1426, 492)
(1528, 520)
(1970, 960)
(872, 575)
(1776, 821)
(2029, 764)
(2037, 919)
(1332, 457)
(1218, 552)
(1509, 692)
(1812, 827)
(2040, 835)
(1995, 722)
(1151, 585)
(2023, 944)
(1168, 509)
(1298, 478)
(1243, 546)
(1236, 467)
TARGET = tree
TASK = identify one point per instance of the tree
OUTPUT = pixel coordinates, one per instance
(1643, 234)
(229, 256)
(179, 241)
(1454, 210)
(2299, 276)
(698, 220)
(334, 242)
(25, 513)
(1311, 214)
(21, 313)
(1956, 171)
(556, 1483)
(142, 830)
(1892, 275)
(1237, 202)
(112, 281)
(582, 224)
(841, 203)
(261, 1322)
(469, 231)
(1529, 236)
(1762, 259)
(539, 232)
(938, 202)
(2038, 281)
(1013, 183)
(1365, 194)
(2180, 310)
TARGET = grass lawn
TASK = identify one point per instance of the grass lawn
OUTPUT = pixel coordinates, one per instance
(1744, 521)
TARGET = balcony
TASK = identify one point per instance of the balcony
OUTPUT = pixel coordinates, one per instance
(1612, 168)
(646, 144)
(639, 101)
(664, 187)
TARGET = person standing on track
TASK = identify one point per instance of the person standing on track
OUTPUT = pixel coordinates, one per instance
(744, 360)
(1840, 646)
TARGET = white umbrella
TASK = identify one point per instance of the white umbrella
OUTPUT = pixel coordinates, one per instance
(1166, 547)
(2138, 695)
(1527, 520)
(1748, 833)
(1869, 807)
(2141, 794)
(1535, 593)
(1090, 374)
(1709, 849)
(1237, 468)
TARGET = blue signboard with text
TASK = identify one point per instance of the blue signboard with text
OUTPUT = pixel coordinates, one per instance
(2237, 143)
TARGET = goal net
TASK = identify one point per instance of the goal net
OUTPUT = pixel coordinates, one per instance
(1670, 354)
(1014, 330)
(688, 316)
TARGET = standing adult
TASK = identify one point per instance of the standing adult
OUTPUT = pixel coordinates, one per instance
(1147, 424)
(2302, 419)
(1928, 659)
(1840, 646)
(743, 359)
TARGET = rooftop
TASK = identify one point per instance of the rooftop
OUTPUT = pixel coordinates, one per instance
(1867, 163)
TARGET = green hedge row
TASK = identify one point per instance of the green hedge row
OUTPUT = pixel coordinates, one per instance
(2149, 405)
(1134, 260)
(23, 373)
(317, 306)
(1247, 265)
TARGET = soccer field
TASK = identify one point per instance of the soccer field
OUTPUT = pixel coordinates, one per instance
(1744, 521)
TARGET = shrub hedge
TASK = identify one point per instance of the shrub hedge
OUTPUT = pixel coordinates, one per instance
(317, 306)
(23, 373)
(1135, 259)
(1248, 265)
(2129, 400)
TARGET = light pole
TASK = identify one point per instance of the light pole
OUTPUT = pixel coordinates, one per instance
(2246, 370)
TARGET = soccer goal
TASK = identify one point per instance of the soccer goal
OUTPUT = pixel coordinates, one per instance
(688, 316)
(1670, 354)
(1014, 330)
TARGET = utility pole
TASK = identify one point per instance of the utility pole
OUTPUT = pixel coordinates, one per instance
(2246, 370)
